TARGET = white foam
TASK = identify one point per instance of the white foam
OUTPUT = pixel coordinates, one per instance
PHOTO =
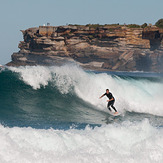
(36, 76)
(132, 95)
(125, 143)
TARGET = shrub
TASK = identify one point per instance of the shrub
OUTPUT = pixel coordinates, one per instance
(113, 24)
(159, 23)
(94, 25)
(133, 26)
(144, 25)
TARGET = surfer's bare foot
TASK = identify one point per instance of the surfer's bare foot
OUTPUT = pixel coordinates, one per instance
(116, 113)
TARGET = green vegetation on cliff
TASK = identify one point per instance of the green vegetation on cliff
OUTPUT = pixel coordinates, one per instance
(133, 26)
(144, 25)
(159, 23)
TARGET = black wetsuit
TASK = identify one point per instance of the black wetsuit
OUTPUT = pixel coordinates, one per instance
(110, 103)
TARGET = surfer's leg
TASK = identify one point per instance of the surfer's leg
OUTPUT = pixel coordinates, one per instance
(113, 106)
(108, 106)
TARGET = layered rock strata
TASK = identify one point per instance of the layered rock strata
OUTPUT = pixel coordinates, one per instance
(113, 48)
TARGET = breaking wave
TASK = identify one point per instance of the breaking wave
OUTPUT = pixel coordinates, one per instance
(143, 95)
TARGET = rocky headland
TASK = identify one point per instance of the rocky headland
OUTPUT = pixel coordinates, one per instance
(98, 47)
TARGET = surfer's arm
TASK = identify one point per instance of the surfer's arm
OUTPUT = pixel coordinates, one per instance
(102, 95)
(110, 99)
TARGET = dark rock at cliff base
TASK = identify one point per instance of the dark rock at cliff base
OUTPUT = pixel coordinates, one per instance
(113, 48)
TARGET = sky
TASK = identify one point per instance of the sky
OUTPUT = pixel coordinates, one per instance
(16, 15)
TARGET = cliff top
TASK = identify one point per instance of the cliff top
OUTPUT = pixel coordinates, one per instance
(93, 27)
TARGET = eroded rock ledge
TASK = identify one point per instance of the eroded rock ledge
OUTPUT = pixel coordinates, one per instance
(114, 48)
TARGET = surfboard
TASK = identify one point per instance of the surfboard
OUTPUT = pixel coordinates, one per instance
(113, 113)
(1, 66)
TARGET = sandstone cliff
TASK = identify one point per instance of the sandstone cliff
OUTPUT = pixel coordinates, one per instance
(116, 48)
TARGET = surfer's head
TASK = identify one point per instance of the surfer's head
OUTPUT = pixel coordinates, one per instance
(107, 91)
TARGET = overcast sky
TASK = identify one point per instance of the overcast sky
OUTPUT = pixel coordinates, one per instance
(16, 15)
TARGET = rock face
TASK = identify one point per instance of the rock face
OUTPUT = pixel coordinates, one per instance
(115, 48)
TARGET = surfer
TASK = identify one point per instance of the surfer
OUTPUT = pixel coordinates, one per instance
(110, 101)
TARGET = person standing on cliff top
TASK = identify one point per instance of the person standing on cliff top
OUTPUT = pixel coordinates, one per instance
(110, 101)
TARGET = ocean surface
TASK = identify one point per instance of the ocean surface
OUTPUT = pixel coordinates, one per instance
(54, 115)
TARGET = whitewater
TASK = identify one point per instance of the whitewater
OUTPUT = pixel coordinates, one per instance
(54, 114)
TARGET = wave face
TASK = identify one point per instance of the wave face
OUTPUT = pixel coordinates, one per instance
(45, 95)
